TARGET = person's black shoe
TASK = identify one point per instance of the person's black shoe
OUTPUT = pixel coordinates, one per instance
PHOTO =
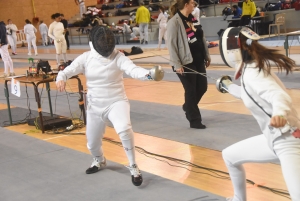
(197, 125)
(96, 166)
(142, 41)
(183, 108)
(146, 42)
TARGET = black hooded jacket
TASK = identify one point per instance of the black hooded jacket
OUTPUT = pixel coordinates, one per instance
(3, 38)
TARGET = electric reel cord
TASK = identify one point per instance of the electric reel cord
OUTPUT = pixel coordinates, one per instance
(216, 173)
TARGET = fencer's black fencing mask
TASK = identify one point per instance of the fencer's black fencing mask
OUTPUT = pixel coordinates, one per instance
(103, 40)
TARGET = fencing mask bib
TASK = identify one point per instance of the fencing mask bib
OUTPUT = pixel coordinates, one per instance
(230, 48)
(103, 40)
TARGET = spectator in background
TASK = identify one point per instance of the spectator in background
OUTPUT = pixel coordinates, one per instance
(248, 11)
(143, 20)
(237, 12)
(30, 31)
(11, 30)
(8, 64)
(65, 23)
(56, 32)
(44, 32)
(162, 20)
(196, 13)
(81, 6)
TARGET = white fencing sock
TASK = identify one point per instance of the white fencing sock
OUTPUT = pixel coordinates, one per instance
(65, 57)
(57, 59)
(127, 138)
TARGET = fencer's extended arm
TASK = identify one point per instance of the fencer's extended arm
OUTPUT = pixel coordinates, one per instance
(235, 90)
(76, 67)
(127, 66)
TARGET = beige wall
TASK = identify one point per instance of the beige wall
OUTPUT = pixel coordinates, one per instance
(19, 10)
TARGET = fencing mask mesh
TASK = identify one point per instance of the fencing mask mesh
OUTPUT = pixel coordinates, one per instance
(103, 40)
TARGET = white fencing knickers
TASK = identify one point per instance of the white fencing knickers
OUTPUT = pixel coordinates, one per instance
(12, 41)
(8, 64)
(162, 33)
(31, 40)
(118, 113)
(60, 47)
(256, 150)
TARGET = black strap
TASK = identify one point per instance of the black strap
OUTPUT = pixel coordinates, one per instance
(251, 96)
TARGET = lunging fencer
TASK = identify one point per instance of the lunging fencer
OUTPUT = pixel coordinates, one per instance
(266, 97)
(103, 67)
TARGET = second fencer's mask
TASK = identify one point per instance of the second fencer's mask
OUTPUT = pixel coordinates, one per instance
(230, 48)
(103, 40)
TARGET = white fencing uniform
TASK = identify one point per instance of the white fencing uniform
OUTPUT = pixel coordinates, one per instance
(81, 7)
(12, 36)
(107, 100)
(44, 33)
(8, 63)
(56, 32)
(30, 31)
(272, 145)
(162, 20)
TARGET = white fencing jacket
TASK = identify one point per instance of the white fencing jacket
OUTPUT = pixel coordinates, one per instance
(104, 76)
(30, 30)
(43, 28)
(270, 93)
(56, 30)
(162, 19)
(14, 29)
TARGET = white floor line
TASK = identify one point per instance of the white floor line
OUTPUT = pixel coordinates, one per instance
(55, 137)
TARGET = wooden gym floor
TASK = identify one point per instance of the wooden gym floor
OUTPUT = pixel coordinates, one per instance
(161, 92)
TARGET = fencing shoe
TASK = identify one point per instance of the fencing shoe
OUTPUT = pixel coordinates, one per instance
(96, 166)
(136, 175)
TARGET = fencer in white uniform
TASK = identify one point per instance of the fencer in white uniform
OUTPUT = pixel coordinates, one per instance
(162, 20)
(12, 36)
(81, 7)
(266, 97)
(8, 63)
(30, 31)
(103, 67)
(196, 13)
(44, 32)
(56, 32)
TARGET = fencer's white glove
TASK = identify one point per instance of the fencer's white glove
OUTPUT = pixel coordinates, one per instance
(225, 83)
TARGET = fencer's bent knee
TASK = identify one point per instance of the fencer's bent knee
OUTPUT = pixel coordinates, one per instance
(126, 135)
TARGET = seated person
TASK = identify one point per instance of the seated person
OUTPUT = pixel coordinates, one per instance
(237, 12)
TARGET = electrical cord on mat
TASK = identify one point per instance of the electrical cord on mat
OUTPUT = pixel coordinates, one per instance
(212, 172)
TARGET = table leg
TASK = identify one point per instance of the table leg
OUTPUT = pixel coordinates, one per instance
(38, 100)
(49, 98)
(7, 100)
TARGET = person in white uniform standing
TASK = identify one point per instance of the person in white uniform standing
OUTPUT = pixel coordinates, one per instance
(56, 32)
(162, 20)
(81, 7)
(266, 97)
(30, 31)
(12, 36)
(8, 63)
(44, 32)
(103, 67)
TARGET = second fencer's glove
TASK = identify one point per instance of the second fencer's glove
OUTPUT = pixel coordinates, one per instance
(225, 83)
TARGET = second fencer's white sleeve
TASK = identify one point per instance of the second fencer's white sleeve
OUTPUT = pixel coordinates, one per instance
(50, 32)
(134, 71)
(235, 90)
(76, 67)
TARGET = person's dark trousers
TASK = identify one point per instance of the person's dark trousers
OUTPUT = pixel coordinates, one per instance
(245, 20)
(195, 86)
(67, 39)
